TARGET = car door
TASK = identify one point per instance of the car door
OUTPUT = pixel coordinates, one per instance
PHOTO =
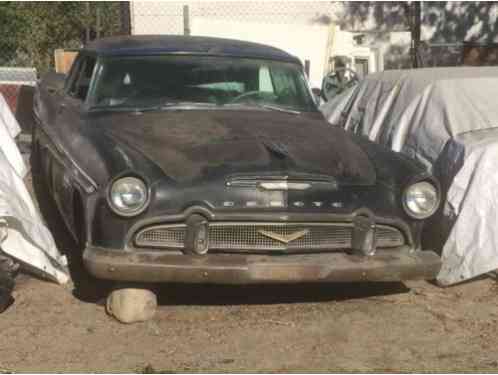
(69, 120)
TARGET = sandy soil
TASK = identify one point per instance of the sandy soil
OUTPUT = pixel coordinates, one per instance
(415, 326)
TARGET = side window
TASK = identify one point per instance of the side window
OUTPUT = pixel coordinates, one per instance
(73, 72)
(81, 81)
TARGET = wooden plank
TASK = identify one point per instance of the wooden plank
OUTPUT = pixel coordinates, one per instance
(64, 60)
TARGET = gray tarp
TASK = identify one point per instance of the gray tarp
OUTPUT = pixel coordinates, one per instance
(468, 166)
(419, 112)
(23, 236)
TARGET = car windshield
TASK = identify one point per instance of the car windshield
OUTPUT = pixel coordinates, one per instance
(156, 81)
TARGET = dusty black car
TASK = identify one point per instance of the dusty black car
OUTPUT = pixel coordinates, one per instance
(202, 160)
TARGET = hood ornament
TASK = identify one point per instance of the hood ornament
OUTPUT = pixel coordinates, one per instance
(284, 238)
(283, 185)
(281, 182)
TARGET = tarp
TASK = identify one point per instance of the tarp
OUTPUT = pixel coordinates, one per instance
(417, 111)
(24, 236)
(468, 166)
(430, 115)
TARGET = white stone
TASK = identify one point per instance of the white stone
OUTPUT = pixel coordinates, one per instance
(131, 305)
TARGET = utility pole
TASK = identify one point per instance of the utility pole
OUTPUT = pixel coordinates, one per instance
(97, 20)
(124, 8)
(186, 20)
(87, 27)
(415, 26)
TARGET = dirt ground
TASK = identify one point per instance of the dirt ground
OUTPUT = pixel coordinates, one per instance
(390, 327)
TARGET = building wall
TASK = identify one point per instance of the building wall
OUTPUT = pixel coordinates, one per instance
(385, 26)
(300, 28)
(149, 17)
(303, 28)
(278, 35)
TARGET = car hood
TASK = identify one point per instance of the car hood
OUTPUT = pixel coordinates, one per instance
(190, 145)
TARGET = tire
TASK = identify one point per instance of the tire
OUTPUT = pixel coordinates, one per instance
(8, 271)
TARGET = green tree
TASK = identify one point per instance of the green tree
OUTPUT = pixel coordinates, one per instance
(33, 30)
(10, 23)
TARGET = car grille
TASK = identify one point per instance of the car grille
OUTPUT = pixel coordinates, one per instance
(170, 236)
(246, 237)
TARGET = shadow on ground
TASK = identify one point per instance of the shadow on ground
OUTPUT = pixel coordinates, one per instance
(273, 294)
(89, 289)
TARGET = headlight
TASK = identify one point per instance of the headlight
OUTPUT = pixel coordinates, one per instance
(421, 200)
(128, 196)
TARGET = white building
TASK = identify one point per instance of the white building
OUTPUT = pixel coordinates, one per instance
(307, 29)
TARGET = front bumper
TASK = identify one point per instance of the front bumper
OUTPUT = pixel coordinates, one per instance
(395, 264)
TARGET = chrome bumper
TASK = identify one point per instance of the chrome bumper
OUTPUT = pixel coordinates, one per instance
(395, 264)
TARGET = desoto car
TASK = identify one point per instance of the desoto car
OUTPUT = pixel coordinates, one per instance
(203, 160)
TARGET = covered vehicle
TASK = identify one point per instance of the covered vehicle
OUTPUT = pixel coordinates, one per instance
(437, 116)
(24, 239)
(203, 160)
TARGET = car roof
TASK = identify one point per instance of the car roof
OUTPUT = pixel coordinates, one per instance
(180, 44)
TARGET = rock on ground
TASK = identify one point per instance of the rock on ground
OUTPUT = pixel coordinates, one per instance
(131, 304)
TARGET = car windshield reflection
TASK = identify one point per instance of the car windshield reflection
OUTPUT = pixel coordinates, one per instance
(156, 82)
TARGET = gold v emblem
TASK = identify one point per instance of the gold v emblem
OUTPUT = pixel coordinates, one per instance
(284, 238)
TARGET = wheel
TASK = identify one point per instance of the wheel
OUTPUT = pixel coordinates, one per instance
(8, 271)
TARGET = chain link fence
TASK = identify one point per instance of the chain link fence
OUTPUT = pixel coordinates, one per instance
(434, 55)
(31, 32)
(176, 17)
(380, 33)
(314, 31)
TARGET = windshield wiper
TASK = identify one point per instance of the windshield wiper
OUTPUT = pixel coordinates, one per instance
(158, 107)
(269, 107)
(279, 109)
(173, 105)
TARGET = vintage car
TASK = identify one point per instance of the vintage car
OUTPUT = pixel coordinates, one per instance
(203, 160)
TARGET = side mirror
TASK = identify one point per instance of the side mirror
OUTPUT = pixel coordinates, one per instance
(54, 82)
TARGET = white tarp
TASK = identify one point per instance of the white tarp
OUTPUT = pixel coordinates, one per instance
(419, 112)
(469, 162)
(24, 236)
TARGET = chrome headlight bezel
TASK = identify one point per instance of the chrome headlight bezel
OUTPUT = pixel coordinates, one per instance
(119, 207)
(420, 188)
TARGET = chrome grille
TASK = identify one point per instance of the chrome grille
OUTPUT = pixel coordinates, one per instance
(247, 236)
(388, 236)
(170, 236)
(319, 236)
